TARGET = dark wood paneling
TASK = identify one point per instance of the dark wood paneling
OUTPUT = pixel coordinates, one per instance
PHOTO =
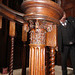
(69, 7)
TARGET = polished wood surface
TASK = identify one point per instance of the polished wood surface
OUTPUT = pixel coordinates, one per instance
(24, 32)
(12, 35)
(39, 24)
(12, 29)
(51, 37)
(37, 52)
(52, 61)
(35, 10)
(11, 14)
(37, 60)
(0, 22)
(51, 41)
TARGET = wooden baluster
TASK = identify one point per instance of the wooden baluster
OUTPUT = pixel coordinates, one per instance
(52, 61)
(24, 39)
(12, 35)
(51, 41)
(0, 22)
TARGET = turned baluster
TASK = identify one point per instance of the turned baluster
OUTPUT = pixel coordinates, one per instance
(24, 39)
(52, 43)
(52, 61)
(12, 35)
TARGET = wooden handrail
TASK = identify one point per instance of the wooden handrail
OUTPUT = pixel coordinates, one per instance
(11, 14)
(11, 10)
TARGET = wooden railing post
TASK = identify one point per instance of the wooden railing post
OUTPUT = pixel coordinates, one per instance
(37, 52)
(52, 61)
(24, 39)
(12, 35)
(51, 41)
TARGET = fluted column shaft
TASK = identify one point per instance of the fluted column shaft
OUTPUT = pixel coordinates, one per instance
(37, 52)
(37, 60)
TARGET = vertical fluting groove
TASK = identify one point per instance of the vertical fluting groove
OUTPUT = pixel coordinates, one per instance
(34, 62)
(11, 57)
(30, 62)
(43, 63)
(52, 61)
(39, 61)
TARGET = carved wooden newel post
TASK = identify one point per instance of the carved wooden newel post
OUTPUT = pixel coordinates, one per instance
(42, 17)
(37, 52)
(12, 35)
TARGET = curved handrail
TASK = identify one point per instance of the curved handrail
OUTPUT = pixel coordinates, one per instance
(11, 14)
(11, 10)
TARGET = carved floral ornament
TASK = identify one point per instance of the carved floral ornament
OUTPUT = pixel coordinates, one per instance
(41, 24)
(38, 36)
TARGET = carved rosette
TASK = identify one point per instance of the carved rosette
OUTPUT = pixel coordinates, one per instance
(38, 36)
